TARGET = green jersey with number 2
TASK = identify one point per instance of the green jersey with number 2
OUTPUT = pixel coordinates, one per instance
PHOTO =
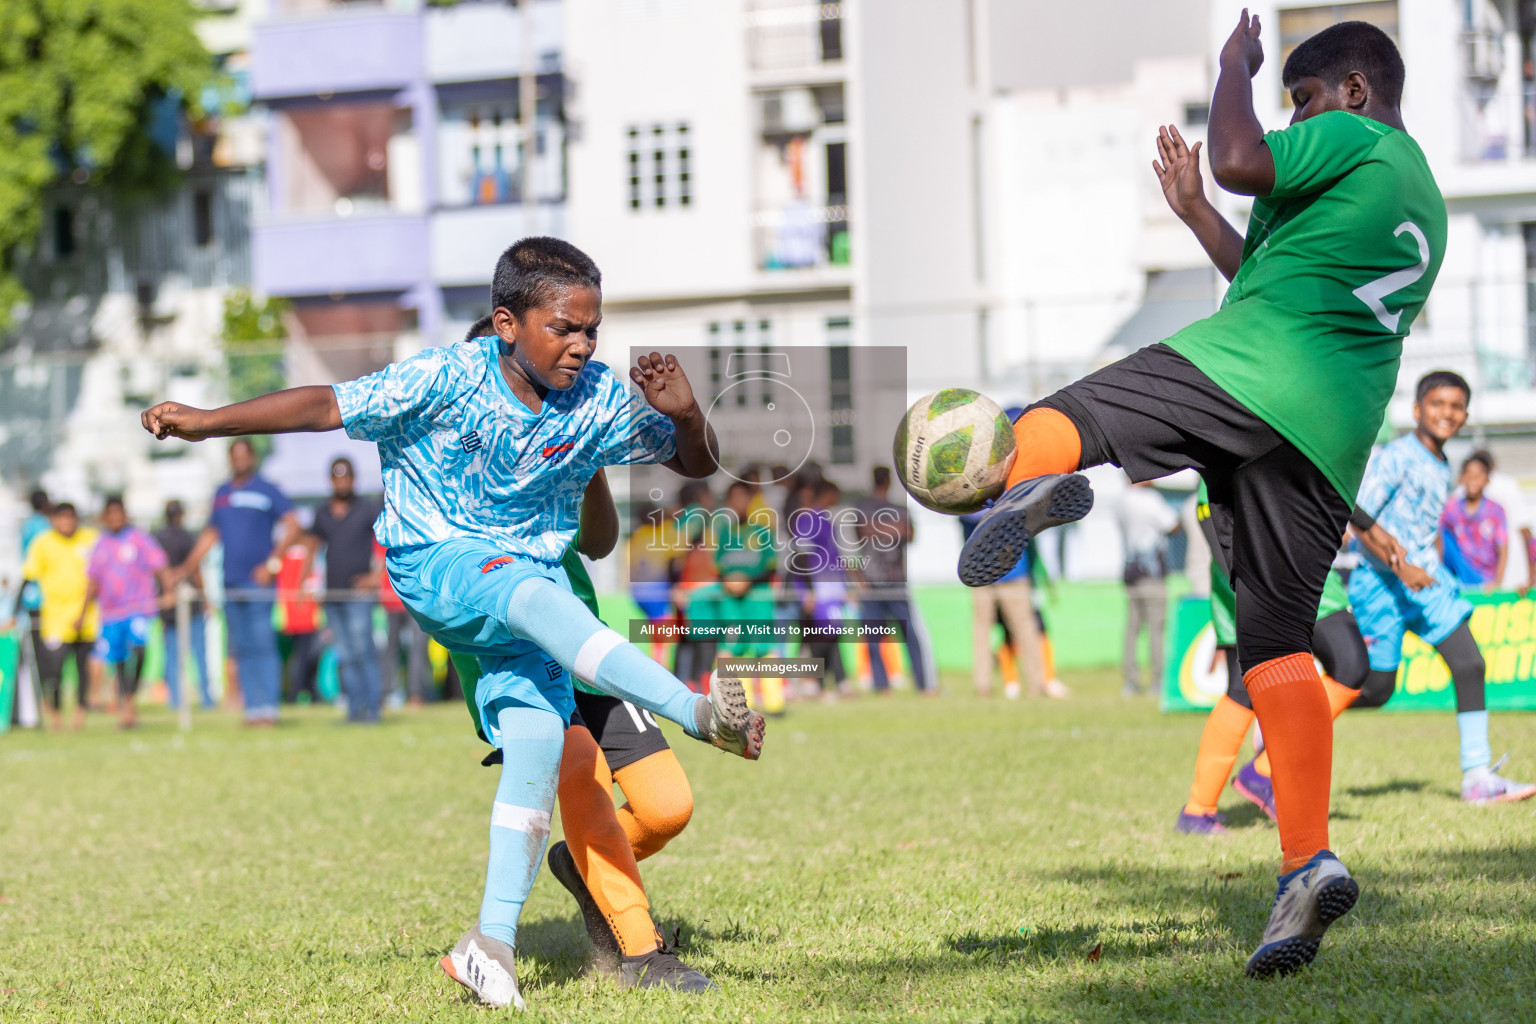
(1338, 261)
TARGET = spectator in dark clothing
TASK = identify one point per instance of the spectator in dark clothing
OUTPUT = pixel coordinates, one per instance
(247, 512)
(885, 530)
(177, 543)
(344, 525)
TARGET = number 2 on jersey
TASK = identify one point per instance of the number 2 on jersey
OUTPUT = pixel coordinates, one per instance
(1372, 292)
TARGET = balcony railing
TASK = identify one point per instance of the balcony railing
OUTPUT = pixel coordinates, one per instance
(785, 36)
(797, 237)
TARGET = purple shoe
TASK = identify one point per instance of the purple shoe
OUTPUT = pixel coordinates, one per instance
(1257, 788)
(1212, 824)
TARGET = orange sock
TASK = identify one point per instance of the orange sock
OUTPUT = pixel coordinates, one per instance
(1006, 665)
(1047, 658)
(658, 804)
(1340, 697)
(1293, 710)
(1048, 443)
(1220, 743)
(598, 843)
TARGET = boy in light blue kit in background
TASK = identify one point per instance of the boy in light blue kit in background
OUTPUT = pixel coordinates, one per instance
(487, 446)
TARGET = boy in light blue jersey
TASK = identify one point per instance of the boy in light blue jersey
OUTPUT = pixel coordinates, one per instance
(1409, 588)
(487, 447)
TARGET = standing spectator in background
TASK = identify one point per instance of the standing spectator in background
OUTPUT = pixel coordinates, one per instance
(1504, 491)
(177, 543)
(1474, 532)
(300, 640)
(57, 561)
(30, 600)
(344, 525)
(1146, 522)
(247, 512)
(125, 566)
(1010, 601)
(820, 579)
(401, 628)
(693, 567)
(885, 530)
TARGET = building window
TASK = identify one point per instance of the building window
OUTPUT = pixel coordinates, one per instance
(63, 233)
(1196, 114)
(765, 359)
(684, 172)
(840, 379)
(831, 32)
(715, 375)
(670, 156)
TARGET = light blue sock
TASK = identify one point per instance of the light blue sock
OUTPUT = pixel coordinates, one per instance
(531, 743)
(1475, 751)
(566, 629)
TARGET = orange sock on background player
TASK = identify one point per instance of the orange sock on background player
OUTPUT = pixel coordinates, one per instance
(658, 802)
(599, 844)
(1006, 666)
(1340, 697)
(1290, 702)
(1047, 658)
(1220, 742)
(1048, 443)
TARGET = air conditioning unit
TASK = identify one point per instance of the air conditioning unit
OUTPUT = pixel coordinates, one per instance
(1484, 55)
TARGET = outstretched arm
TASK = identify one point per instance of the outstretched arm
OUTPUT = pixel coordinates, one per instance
(1178, 172)
(667, 390)
(282, 412)
(1240, 160)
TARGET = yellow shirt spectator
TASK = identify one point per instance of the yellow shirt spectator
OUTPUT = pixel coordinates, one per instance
(58, 564)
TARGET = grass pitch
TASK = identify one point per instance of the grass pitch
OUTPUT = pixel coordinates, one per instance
(948, 860)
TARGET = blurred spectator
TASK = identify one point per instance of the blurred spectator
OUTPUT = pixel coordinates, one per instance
(124, 569)
(300, 640)
(885, 530)
(344, 525)
(746, 541)
(1474, 532)
(30, 600)
(1010, 601)
(37, 522)
(1504, 490)
(820, 580)
(56, 560)
(402, 630)
(693, 566)
(247, 512)
(1146, 523)
(177, 543)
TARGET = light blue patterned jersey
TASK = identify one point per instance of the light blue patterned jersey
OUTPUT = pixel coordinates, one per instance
(1405, 490)
(463, 457)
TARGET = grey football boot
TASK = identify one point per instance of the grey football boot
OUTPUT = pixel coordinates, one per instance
(726, 720)
(1028, 507)
(485, 966)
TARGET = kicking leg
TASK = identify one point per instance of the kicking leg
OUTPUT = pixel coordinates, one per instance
(658, 802)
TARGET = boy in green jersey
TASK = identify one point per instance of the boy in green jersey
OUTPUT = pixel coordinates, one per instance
(1274, 399)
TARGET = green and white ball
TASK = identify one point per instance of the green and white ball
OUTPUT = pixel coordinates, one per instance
(953, 451)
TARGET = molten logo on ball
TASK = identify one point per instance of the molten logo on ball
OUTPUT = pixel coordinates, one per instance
(954, 449)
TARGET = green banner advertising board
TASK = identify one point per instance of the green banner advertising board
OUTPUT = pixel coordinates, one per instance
(1504, 626)
(9, 651)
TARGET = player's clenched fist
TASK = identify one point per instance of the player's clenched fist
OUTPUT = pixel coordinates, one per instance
(664, 384)
(172, 419)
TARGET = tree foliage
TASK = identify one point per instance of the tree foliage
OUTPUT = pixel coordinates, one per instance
(254, 333)
(77, 81)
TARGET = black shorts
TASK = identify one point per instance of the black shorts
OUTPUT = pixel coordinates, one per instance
(625, 733)
(1277, 519)
(50, 670)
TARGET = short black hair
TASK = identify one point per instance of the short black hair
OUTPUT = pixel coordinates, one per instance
(738, 485)
(39, 500)
(111, 501)
(881, 476)
(1481, 457)
(1441, 379)
(530, 270)
(481, 328)
(1349, 46)
(62, 507)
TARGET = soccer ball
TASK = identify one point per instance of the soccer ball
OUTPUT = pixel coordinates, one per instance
(953, 451)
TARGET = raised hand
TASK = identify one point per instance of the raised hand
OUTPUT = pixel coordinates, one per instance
(172, 419)
(664, 384)
(1242, 49)
(1178, 172)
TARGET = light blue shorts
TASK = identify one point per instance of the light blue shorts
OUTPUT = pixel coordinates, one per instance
(118, 640)
(1385, 609)
(458, 590)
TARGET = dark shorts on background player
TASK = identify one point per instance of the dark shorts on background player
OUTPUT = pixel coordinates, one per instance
(1277, 519)
(625, 733)
(51, 658)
